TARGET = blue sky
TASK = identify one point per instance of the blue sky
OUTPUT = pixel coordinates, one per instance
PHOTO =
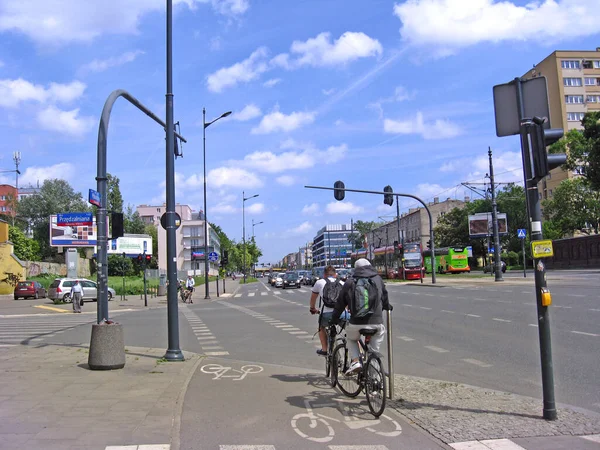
(372, 93)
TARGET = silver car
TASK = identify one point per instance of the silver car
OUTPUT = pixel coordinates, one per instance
(60, 289)
(279, 280)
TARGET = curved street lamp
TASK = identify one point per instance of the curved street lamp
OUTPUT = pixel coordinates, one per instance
(206, 238)
(244, 198)
(253, 225)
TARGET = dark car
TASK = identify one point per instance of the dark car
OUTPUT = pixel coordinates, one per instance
(490, 267)
(29, 289)
(290, 280)
(343, 274)
(317, 274)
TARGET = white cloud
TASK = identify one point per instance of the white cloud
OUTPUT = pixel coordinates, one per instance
(440, 129)
(272, 82)
(277, 121)
(427, 191)
(320, 51)
(255, 208)
(232, 176)
(221, 208)
(286, 180)
(33, 174)
(303, 228)
(249, 112)
(68, 122)
(508, 167)
(401, 94)
(100, 65)
(328, 92)
(275, 163)
(59, 22)
(335, 153)
(343, 208)
(452, 24)
(13, 92)
(312, 209)
(243, 72)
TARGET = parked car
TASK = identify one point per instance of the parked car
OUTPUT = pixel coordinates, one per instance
(490, 267)
(29, 289)
(290, 280)
(279, 280)
(272, 278)
(301, 275)
(60, 289)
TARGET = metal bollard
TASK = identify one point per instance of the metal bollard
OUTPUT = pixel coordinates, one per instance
(224, 285)
(390, 355)
(217, 286)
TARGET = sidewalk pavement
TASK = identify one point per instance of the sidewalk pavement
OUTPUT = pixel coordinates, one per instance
(49, 399)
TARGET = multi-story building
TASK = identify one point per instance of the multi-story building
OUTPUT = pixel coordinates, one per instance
(331, 246)
(304, 257)
(414, 225)
(573, 79)
(28, 191)
(189, 238)
(8, 197)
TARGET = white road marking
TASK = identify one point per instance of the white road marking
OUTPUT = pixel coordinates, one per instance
(429, 295)
(205, 338)
(488, 444)
(436, 349)
(473, 315)
(501, 320)
(139, 447)
(246, 447)
(251, 294)
(481, 299)
(593, 309)
(237, 295)
(585, 334)
(293, 329)
(216, 353)
(564, 307)
(299, 332)
(424, 307)
(212, 347)
(525, 292)
(284, 326)
(357, 447)
(592, 437)
(533, 325)
(476, 362)
(576, 295)
(264, 293)
(406, 304)
(445, 310)
(405, 338)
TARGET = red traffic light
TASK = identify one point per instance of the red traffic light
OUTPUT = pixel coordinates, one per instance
(139, 258)
(148, 258)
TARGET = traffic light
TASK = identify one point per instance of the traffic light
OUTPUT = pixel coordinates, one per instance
(140, 258)
(116, 223)
(225, 258)
(339, 192)
(388, 199)
(542, 138)
(429, 244)
(148, 259)
(124, 255)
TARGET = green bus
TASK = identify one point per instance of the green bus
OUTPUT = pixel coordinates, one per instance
(448, 260)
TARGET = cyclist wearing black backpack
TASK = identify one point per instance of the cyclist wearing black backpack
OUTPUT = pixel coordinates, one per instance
(366, 296)
(328, 290)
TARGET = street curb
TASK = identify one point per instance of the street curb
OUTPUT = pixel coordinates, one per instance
(176, 426)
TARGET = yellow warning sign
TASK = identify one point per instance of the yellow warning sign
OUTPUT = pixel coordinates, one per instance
(542, 249)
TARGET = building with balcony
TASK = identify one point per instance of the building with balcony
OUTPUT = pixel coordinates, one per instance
(331, 246)
(573, 79)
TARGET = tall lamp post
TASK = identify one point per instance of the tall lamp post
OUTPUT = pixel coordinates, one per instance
(244, 198)
(253, 225)
(206, 239)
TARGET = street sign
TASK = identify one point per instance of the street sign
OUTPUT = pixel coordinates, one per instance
(163, 221)
(94, 198)
(75, 219)
(521, 233)
(542, 249)
(213, 256)
(535, 103)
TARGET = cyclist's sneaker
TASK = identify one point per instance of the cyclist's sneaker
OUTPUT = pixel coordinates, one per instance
(356, 366)
(322, 352)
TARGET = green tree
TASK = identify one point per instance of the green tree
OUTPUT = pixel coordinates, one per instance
(114, 199)
(511, 201)
(152, 231)
(25, 249)
(132, 222)
(55, 196)
(117, 266)
(360, 229)
(574, 206)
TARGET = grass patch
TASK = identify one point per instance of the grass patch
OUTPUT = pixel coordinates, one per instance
(161, 361)
(249, 280)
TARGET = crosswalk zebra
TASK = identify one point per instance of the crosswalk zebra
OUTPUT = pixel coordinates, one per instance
(32, 329)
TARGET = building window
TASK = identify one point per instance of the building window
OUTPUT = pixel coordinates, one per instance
(596, 64)
(575, 116)
(593, 98)
(570, 64)
(573, 98)
(572, 81)
(550, 193)
(2, 208)
(591, 81)
(2, 197)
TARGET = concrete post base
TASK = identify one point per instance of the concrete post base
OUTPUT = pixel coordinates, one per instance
(107, 347)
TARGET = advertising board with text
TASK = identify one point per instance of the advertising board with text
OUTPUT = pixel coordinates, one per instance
(72, 235)
(480, 225)
(130, 245)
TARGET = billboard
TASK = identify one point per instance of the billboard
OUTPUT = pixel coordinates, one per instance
(72, 235)
(480, 225)
(131, 245)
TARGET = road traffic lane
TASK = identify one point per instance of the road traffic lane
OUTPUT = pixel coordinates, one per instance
(231, 403)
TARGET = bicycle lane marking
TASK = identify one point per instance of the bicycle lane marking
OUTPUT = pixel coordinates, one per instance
(300, 410)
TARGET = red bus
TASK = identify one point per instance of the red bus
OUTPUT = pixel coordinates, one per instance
(412, 262)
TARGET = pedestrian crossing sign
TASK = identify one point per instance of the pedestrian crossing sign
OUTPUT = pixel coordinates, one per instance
(521, 233)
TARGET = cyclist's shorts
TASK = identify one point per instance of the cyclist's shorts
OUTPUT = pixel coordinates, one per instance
(325, 317)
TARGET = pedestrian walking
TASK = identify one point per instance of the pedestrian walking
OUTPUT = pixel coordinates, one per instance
(76, 295)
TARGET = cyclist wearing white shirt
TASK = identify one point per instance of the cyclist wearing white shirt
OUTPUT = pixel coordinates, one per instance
(326, 312)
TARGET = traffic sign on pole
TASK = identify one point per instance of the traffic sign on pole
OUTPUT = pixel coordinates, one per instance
(521, 233)
(213, 256)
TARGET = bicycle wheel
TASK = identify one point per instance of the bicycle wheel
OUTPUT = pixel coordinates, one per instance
(348, 384)
(328, 356)
(375, 385)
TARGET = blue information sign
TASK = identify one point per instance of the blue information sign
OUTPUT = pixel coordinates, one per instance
(94, 197)
(213, 256)
(75, 219)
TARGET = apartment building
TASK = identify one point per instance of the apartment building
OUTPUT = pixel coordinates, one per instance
(573, 79)
(8, 196)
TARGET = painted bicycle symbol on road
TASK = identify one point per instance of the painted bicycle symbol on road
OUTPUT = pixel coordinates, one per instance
(221, 372)
(316, 426)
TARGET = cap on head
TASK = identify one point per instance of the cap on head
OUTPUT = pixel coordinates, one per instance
(362, 262)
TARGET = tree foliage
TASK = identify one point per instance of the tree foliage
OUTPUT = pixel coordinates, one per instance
(114, 199)
(132, 221)
(360, 229)
(25, 249)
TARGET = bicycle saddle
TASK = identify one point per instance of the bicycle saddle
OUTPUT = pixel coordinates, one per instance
(367, 331)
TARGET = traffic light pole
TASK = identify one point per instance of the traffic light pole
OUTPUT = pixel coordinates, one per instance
(339, 188)
(527, 130)
(497, 263)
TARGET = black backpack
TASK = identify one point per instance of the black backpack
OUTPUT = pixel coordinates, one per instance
(331, 292)
(365, 298)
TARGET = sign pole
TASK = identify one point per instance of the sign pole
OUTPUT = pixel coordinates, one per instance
(524, 259)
